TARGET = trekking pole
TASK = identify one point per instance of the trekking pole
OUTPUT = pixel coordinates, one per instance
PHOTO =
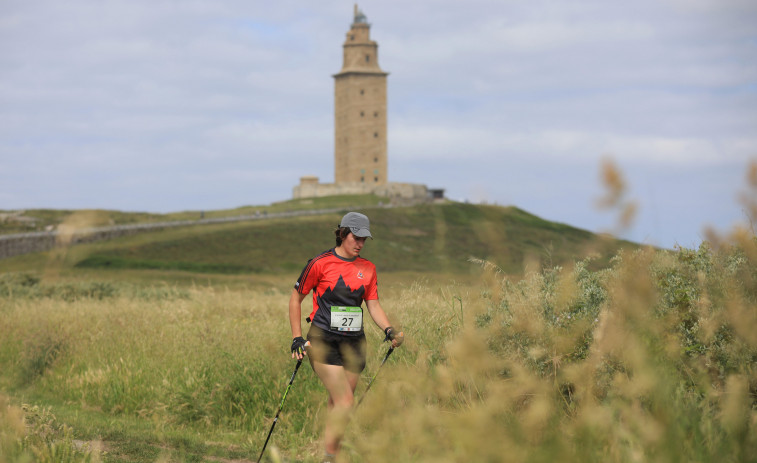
(388, 353)
(281, 405)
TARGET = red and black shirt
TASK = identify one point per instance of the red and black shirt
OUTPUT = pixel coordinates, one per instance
(337, 281)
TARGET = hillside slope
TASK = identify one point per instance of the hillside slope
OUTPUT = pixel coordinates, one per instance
(426, 238)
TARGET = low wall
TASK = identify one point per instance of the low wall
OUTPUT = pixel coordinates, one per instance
(24, 243)
(310, 188)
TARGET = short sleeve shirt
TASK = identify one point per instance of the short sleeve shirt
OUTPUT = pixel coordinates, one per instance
(337, 281)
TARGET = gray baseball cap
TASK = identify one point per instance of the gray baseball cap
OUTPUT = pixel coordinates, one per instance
(358, 224)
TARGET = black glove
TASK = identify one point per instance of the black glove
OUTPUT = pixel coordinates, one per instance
(391, 335)
(298, 345)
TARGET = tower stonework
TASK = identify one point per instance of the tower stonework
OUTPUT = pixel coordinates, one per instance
(360, 129)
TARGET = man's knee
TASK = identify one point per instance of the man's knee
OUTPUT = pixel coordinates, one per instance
(344, 400)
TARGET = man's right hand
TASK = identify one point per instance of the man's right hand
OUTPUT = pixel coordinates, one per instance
(298, 347)
(396, 338)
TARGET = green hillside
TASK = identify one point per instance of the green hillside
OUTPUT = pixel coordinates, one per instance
(36, 220)
(436, 238)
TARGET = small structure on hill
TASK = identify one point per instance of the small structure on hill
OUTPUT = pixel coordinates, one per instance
(360, 127)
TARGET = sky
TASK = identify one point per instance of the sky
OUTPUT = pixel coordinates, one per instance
(173, 105)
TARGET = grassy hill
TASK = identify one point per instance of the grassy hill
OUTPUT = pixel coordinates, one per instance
(436, 238)
(35, 220)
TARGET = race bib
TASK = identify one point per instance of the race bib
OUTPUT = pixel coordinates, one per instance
(346, 318)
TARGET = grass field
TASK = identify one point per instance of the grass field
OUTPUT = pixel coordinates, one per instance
(649, 355)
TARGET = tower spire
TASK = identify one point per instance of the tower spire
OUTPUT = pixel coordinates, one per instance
(359, 17)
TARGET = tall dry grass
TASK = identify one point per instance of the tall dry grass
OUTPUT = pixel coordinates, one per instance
(650, 360)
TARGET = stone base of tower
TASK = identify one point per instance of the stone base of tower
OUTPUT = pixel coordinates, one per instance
(309, 187)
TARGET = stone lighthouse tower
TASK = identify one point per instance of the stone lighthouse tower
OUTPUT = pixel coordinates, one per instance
(360, 131)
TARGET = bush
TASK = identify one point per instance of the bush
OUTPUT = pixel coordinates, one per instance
(32, 433)
(29, 286)
(652, 359)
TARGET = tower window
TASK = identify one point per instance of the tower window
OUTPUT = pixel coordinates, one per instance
(362, 91)
(375, 159)
(367, 58)
(375, 179)
(375, 134)
(362, 179)
(362, 113)
(352, 37)
(375, 114)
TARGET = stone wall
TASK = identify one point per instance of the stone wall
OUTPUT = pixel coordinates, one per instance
(24, 243)
(395, 192)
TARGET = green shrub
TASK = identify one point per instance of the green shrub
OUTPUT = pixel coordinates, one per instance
(25, 285)
(33, 434)
(40, 350)
(652, 359)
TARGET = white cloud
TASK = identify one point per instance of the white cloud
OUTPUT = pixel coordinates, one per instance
(98, 97)
(427, 143)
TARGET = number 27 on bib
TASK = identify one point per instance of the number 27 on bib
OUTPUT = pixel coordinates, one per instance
(346, 318)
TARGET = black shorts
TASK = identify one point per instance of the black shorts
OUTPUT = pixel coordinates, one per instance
(336, 349)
